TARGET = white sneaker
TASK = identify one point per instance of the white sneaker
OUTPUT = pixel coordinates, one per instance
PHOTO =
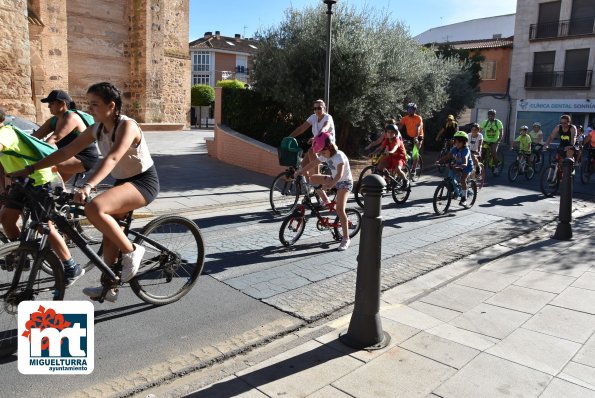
(131, 262)
(344, 244)
(95, 292)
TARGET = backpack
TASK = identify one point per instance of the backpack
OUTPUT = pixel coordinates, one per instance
(41, 149)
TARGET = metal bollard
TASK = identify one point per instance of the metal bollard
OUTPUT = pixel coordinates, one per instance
(564, 229)
(365, 328)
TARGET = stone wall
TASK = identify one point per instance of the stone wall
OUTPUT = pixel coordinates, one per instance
(15, 84)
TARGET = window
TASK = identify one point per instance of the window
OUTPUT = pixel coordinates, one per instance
(543, 69)
(582, 17)
(549, 15)
(575, 67)
(488, 70)
(241, 64)
(201, 61)
(201, 79)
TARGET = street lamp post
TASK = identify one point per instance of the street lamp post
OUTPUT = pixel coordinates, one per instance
(327, 71)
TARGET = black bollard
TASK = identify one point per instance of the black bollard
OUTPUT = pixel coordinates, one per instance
(564, 229)
(365, 327)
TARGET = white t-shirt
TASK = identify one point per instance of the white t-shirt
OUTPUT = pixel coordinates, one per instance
(336, 160)
(474, 142)
(317, 125)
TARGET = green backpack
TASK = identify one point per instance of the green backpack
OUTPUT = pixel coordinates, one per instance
(41, 149)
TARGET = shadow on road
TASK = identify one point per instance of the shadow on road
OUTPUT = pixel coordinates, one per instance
(106, 315)
(516, 201)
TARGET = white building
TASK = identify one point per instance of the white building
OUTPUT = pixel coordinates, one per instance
(497, 27)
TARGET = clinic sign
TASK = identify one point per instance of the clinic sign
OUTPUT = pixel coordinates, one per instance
(559, 106)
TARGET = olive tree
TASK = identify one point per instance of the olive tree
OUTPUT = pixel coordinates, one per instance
(376, 68)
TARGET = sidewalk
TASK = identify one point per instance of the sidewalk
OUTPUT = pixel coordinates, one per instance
(520, 325)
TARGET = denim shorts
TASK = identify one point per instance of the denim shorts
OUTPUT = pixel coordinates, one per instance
(348, 185)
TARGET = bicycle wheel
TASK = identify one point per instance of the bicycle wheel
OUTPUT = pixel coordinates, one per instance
(513, 171)
(354, 223)
(499, 163)
(471, 194)
(18, 258)
(529, 172)
(400, 193)
(481, 176)
(284, 194)
(291, 229)
(165, 277)
(549, 181)
(416, 174)
(537, 162)
(442, 198)
(359, 197)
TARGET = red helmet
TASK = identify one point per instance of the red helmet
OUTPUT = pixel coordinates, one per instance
(321, 141)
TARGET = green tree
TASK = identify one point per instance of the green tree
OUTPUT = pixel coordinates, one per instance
(231, 84)
(377, 68)
(202, 95)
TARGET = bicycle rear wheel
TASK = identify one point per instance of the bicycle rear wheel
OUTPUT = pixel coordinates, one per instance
(416, 174)
(291, 229)
(359, 197)
(549, 181)
(284, 194)
(400, 193)
(16, 258)
(471, 194)
(513, 171)
(354, 224)
(442, 198)
(166, 276)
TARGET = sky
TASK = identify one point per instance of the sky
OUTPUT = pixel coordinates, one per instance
(248, 16)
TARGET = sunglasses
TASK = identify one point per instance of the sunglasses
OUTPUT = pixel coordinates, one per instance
(317, 108)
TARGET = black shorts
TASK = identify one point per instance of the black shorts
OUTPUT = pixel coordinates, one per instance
(17, 197)
(147, 183)
(88, 159)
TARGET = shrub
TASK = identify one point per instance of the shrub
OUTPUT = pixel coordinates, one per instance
(231, 84)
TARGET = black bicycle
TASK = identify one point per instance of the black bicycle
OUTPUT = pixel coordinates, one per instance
(171, 265)
(395, 184)
(450, 188)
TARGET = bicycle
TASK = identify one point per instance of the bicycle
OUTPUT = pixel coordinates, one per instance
(450, 188)
(495, 165)
(587, 165)
(551, 176)
(446, 146)
(173, 261)
(394, 183)
(478, 175)
(293, 225)
(409, 146)
(536, 157)
(521, 165)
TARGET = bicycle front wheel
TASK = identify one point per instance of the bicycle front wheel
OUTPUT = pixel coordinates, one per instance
(480, 176)
(16, 263)
(442, 198)
(549, 181)
(354, 224)
(499, 163)
(284, 194)
(513, 171)
(292, 229)
(400, 193)
(359, 197)
(416, 174)
(167, 273)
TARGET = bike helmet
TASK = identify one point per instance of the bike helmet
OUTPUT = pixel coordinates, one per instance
(537, 124)
(524, 128)
(321, 141)
(392, 127)
(461, 135)
(492, 112)
(412, 105)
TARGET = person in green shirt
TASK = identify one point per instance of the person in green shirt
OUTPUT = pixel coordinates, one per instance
(524, 140)
(493, 131)
(12, 209)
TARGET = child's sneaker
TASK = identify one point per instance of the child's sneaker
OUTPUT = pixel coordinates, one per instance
(463, 201)
(95, 292)
(131, 261)
(344, 244)
(73, 274)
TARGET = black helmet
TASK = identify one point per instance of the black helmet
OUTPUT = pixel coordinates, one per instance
(412, 105)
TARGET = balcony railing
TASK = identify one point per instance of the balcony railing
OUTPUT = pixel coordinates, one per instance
(560, 29)
(577, 79)
(242, 69)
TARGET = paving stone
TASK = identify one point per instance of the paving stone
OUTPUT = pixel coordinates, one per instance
(576, 299)
(513, 265)
(545, 281)
(229, 387)
(457, 297)
(586, 354)
(555, 266)
(490, 376)
(562, 388)
(408, 316)
(580, 374)
(442, 350)
(300, 371)
(464, 337)
(443, 314)
(521, 299)
(586, 281)
(562, 322)
(329, 392)
(490, 320)
(487, 280)
(536, 350)
(397, 371)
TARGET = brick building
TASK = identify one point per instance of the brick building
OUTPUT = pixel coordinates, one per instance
(139, 45)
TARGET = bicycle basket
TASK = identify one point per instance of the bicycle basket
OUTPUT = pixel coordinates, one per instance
(289, 152)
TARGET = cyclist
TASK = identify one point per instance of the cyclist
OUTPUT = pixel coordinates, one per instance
(319, 122)
(536, 134)
(414, 126)
(493, 131)
(340, 178)
(382, 136)
(475, 145)
(461, 155)
(449, 129)
(126, 157)
(11, 211)
(66, 124)
(580, 139)
(394, 153)
(524, 140)
(566, 132)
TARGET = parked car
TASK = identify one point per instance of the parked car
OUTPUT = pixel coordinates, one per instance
(24, 124)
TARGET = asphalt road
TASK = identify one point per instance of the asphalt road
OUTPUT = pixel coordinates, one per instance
(254, 289)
